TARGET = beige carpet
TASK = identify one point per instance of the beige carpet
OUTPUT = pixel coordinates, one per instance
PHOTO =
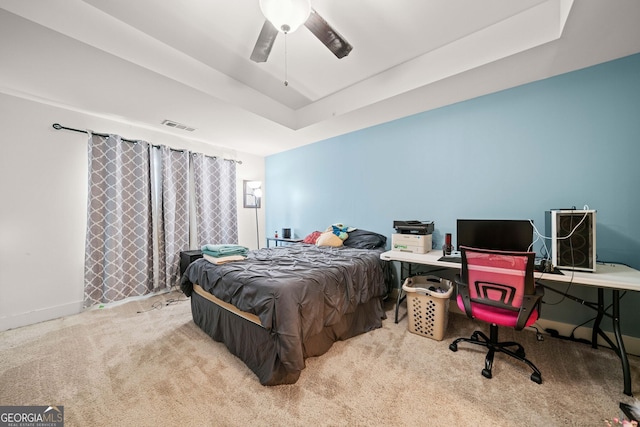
(118, 367)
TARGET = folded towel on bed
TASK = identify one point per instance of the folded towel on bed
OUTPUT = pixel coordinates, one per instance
(223, 259)
(224, 250)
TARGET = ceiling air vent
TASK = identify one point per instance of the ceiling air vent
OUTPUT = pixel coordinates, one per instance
(177, 125)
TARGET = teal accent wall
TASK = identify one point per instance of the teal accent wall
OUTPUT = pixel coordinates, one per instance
(570, 140)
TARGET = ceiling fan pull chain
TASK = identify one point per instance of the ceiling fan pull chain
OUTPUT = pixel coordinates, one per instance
(286, 81)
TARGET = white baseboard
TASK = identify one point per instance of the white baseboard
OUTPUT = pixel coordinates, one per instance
(41, 315)
(50, 313)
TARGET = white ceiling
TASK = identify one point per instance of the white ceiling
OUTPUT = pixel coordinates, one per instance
(144, 61)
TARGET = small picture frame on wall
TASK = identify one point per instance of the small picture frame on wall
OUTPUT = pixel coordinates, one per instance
(252, 194)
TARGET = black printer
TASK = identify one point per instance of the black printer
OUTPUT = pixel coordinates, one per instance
(414, 227)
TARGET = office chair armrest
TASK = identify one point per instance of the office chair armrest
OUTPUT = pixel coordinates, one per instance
(529, 303)
(463, 290)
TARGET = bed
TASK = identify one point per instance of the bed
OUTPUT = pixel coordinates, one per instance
(284, 304)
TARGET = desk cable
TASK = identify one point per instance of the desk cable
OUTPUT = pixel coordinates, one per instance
(571, 337)
(564, 293)
(170, 301)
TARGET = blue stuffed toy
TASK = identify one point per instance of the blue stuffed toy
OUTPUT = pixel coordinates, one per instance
(341, 230)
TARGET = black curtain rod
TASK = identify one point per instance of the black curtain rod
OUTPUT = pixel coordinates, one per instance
(58, 126)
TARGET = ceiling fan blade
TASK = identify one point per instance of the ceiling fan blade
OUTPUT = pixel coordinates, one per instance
(264, 43)
(327, 35)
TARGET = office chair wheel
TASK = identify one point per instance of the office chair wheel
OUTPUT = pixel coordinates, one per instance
(486, 373)
(536, 378)
(453, 347)
(520, 352)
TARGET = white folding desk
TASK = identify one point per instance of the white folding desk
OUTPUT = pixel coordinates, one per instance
(613, 277)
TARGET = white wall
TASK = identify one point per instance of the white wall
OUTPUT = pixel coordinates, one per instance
(43, 191)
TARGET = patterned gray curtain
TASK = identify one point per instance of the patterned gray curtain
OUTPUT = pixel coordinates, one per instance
(173, 224)
(119, 246)
(215, 197)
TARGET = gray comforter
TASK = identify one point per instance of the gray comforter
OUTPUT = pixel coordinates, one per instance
(296, 291)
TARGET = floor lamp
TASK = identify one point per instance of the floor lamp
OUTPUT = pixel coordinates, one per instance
(252, 198)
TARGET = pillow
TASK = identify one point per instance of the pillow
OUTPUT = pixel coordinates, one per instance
(363, 239)
(311, 238)
(329, 239)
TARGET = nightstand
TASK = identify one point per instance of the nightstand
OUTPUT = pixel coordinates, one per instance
(279, 241)
(187, 257)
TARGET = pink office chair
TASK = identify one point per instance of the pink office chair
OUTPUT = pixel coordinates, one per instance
(498, 287)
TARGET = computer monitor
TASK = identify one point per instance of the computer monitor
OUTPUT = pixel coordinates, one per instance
(499, 234)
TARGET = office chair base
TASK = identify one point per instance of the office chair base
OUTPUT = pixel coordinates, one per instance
(487, 373)
(493, 345)
(536, 377)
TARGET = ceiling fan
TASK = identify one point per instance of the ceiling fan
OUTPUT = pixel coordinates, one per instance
(286, 16)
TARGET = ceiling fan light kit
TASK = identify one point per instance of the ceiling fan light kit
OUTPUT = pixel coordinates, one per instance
(286, 15)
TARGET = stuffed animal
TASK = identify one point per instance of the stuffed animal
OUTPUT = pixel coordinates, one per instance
(341, 232)
(329, 239)
(334, 235)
